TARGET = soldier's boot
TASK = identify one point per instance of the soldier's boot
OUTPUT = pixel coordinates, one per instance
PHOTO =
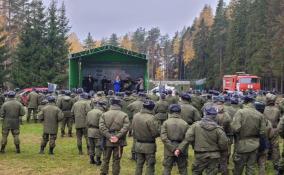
(80, 149)
(41, 150)
(92, 160)
(18, 151)
(2, 148)
(98, 160)
(70, 133)
(51, 150)
(88, 147)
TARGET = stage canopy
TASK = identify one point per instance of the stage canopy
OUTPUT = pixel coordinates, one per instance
(106, 62)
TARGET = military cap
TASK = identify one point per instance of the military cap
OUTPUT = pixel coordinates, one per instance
(260, 106)
(80, 90)
(67, 92)
(51, 98)
(163, 95)
(84, 95)
(11, 94)
(186, 96)
(248, 98)
(100, 93)
(234, 100)
(175, 108)
(149, 104)
(210, 110)
(115, 101)
(110, 92)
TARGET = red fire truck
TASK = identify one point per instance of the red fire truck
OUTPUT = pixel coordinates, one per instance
(241, 82)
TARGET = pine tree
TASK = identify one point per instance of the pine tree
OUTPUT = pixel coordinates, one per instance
(89, 42)
(217, 46)
(138, 40)
(31, 50)
(61, 59)
(113, 40)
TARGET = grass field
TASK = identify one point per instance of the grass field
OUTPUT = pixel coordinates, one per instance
(66, 159)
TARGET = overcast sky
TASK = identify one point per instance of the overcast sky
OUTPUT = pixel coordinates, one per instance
(104, 17)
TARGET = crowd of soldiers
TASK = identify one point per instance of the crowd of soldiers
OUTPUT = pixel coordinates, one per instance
(219, 127)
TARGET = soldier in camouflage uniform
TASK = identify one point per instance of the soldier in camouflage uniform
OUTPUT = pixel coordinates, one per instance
(273, 114)
(188, 112)
(127, 100)
(33, 102)
(145, 131)
(114, 125)
(233, 108)
(281, 133)
(109, 96)
(224, 120)
(197, 101)
(161, 109)
(134, 108)
(154, 97)
(80, 110)
(50, 115)
(65, 103)
(11, 111)
(170, 98)
(208, 139)
(263, 148)
(248, 127)
(94, 135)
(173, 133)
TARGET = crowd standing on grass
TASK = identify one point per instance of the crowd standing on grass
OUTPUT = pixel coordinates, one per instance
(220, 126)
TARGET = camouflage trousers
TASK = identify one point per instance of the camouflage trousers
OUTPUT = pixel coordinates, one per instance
(95, 149)
(204, 163)
(30, 110)
(15, 133)
(48, 137)
(80, 132)
(67, 121)
(224, 160)
(116, 153)
(261, 161)
(150, 160)
(274, 151)
(245, 160)
(181, 162)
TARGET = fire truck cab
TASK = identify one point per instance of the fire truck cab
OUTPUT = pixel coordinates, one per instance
(241, 82)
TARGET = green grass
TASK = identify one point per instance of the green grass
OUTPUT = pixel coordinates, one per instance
(66, 159)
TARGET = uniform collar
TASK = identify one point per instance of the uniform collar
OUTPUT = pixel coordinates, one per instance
(185, 102)
(115, 107)
(146, 111)
(174, 115)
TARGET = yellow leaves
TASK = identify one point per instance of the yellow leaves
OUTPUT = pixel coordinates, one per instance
(176, 45)
(126, 42)
(98, 43)
(188, 51)
(75, 44)
(159, 74)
